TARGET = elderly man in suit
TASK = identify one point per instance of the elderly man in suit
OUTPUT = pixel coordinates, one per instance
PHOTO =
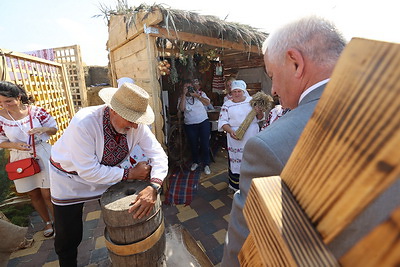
(299, 58)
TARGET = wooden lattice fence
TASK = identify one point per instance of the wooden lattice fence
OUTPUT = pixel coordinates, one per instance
(70, 57)
(45, 80)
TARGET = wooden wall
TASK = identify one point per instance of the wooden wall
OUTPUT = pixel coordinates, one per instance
(133, 55)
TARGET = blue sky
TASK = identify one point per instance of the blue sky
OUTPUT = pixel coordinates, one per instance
(27, 25)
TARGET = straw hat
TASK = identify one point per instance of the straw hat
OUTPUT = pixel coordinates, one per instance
(130, 101)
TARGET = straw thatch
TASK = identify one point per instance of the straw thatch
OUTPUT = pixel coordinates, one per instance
(188, 21)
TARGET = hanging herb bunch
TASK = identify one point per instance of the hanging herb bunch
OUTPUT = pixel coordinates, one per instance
(164, 67)
(205, 64)
(183, 59)
(191, 65)
(173, 74)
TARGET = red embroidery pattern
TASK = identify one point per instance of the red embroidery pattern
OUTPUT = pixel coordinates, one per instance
(115, 144)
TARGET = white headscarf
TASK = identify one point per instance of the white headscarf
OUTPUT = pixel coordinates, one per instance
(123, 80)
(240, 84)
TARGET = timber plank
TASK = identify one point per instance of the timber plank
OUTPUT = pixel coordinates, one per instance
(348, 153)
(201, 39)
(281, 230)
(249, 255)
(380, 248)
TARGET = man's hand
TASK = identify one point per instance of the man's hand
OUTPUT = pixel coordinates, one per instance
(144, 203)
(140, 172)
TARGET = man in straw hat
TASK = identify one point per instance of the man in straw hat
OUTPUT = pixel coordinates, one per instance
(92, 154)
(299, 58)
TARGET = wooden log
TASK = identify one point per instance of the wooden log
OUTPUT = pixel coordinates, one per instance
(380, 248)
(282, 232)
(132, 242)
(249, 255)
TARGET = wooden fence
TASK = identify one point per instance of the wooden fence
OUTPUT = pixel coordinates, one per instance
(45, 80)
(70, 57)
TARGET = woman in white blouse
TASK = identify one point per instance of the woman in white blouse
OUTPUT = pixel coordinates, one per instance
(193, 103)
(233, 113)
(15, 135)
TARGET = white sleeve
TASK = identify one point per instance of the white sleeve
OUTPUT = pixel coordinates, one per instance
(76, 151)
(153, 151)
(223, 117)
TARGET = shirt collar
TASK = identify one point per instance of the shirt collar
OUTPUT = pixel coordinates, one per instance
(313, 87)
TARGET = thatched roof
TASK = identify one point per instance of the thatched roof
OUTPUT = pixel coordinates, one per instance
(191, 22)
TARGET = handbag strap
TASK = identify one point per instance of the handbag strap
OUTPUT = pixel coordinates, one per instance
(32, 135)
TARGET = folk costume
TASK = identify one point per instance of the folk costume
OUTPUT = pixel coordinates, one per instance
(17, 131)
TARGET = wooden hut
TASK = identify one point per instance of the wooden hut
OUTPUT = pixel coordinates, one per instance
(160, 47)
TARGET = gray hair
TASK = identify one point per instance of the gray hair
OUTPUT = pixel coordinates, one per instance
(316, 38)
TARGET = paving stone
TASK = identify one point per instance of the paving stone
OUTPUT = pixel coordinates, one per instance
(217, 203)
(186, 215)
(93, 215)
(100, 254)
(206, 219)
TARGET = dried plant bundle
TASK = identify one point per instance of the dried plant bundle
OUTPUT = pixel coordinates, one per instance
(262, 101)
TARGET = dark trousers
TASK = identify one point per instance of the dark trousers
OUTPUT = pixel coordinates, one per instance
(198, 136)
(69, 230)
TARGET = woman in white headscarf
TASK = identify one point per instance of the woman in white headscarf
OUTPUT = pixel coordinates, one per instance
(233, 113)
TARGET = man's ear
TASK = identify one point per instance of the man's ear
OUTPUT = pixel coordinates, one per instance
(295, 58)
(112, 112)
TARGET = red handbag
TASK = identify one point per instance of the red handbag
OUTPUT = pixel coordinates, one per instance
(24, 167)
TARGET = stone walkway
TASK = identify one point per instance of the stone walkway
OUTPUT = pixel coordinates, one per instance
(206, 219)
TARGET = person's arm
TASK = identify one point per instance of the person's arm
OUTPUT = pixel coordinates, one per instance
(157, 158)
(146, 199)
(182, 99)
(42, 130)
(227, 128)
(223, 122)
(5, 142)
(79, 149)
(15, 145)
(48, 123)
(202, 97)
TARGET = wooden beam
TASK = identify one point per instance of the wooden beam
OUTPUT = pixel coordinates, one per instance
(195, 38)
(28, 57)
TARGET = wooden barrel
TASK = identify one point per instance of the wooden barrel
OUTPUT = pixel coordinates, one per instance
(132, 242)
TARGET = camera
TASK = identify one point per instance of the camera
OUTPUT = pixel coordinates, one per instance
(190, 89)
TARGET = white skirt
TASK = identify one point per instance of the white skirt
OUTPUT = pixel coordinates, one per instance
(39, 180)
(235, 147)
